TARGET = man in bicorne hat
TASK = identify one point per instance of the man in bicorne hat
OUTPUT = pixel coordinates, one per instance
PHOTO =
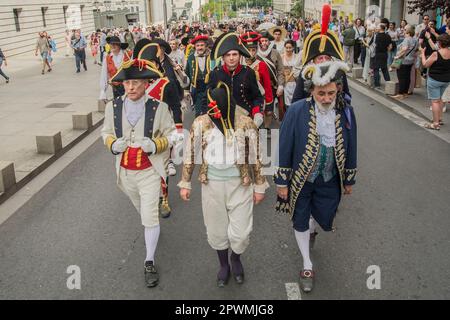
(273, 59)
(319, 46)
(226, 144)
(239, 78)
(139, 131)
(198, 66)
(161, 89)
(110, 64)
(317, 158)
(250, 40)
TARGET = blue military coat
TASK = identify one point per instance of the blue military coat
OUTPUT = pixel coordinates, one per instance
(299, 147)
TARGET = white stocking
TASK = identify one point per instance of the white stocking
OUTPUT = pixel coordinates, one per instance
(303, 244)
(151, 241)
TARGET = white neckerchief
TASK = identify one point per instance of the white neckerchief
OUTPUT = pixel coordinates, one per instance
(134, 110)
(264, 54)
(326, 125)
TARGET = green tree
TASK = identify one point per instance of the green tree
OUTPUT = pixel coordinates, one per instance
(422, 6)
(297, 10)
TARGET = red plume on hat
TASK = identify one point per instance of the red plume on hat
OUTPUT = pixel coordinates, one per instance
(326, 15)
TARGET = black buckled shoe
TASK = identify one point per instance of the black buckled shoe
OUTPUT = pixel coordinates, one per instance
(151, 274)
(307, 280)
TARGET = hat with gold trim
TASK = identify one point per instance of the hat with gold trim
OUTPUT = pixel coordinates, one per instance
(136, 69)
(227, 42)
(322, 41)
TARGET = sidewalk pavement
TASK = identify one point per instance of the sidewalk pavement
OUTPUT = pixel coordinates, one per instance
(417, 103)
(26, 111)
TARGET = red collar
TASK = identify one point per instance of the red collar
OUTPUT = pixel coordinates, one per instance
(236, 71)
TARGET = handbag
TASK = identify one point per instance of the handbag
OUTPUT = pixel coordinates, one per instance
(396, 64)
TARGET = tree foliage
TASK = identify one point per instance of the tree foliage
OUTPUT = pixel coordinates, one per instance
(422, 6)
(297, 10)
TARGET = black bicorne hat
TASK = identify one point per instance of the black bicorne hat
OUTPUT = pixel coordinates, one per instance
(221, 107)
(227, 42)
(136, 69)
(266, 34)
(147, 50)
(163, 44)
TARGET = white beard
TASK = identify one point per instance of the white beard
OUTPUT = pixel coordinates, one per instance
(325, 108)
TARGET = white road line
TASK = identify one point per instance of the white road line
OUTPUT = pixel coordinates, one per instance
(293, 291)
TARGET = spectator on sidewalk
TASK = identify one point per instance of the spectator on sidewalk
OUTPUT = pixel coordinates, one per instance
(44, 47)
(359, 46)
(401, 31)
(369, 50)
(429, 33)
(102, 45)
(383, 43)
(3, 59)
(348, 36)
(79, 45)
(406, 51)
(52, 45)
(422, 26)
(445, 28)
(393, 33)
(438, 78)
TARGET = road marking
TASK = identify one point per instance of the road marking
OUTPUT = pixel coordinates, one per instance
(293, 291)
(419, 121)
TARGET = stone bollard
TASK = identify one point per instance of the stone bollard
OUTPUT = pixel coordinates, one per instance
(49, 144)
(391, 88)
(7, 175)
(82, 121)
(357, 72)
(101, 105)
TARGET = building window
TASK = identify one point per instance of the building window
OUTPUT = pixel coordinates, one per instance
(81, 13)
(137, 9)
(43, 11)
(132, 9)
(17, 12)
(65, 14)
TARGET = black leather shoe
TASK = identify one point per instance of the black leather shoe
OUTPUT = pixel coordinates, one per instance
(151, 274)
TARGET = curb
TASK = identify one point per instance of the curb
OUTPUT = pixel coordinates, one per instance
(19, 185)
(395, 101)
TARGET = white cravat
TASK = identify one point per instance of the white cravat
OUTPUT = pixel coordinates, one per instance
(134, 110)
(326, 125)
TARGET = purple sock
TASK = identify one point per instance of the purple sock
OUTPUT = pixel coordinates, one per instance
(224, 265)
(236, 263)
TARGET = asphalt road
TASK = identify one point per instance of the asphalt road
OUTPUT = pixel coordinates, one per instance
(397, 219)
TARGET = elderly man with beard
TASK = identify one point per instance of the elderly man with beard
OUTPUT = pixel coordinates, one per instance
(273, 59)
(317, 158)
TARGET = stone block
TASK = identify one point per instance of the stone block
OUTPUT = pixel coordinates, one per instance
(357, 72)
(49, 144)
(82, 121)
(7, 175)
(101, 105)
(391, 88)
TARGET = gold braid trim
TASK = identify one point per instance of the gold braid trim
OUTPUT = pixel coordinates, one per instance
(161, 144)
(109, 141)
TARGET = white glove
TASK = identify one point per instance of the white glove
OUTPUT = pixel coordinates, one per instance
(119, 146)
(148, 145)
(175, 138)
(258, 119)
